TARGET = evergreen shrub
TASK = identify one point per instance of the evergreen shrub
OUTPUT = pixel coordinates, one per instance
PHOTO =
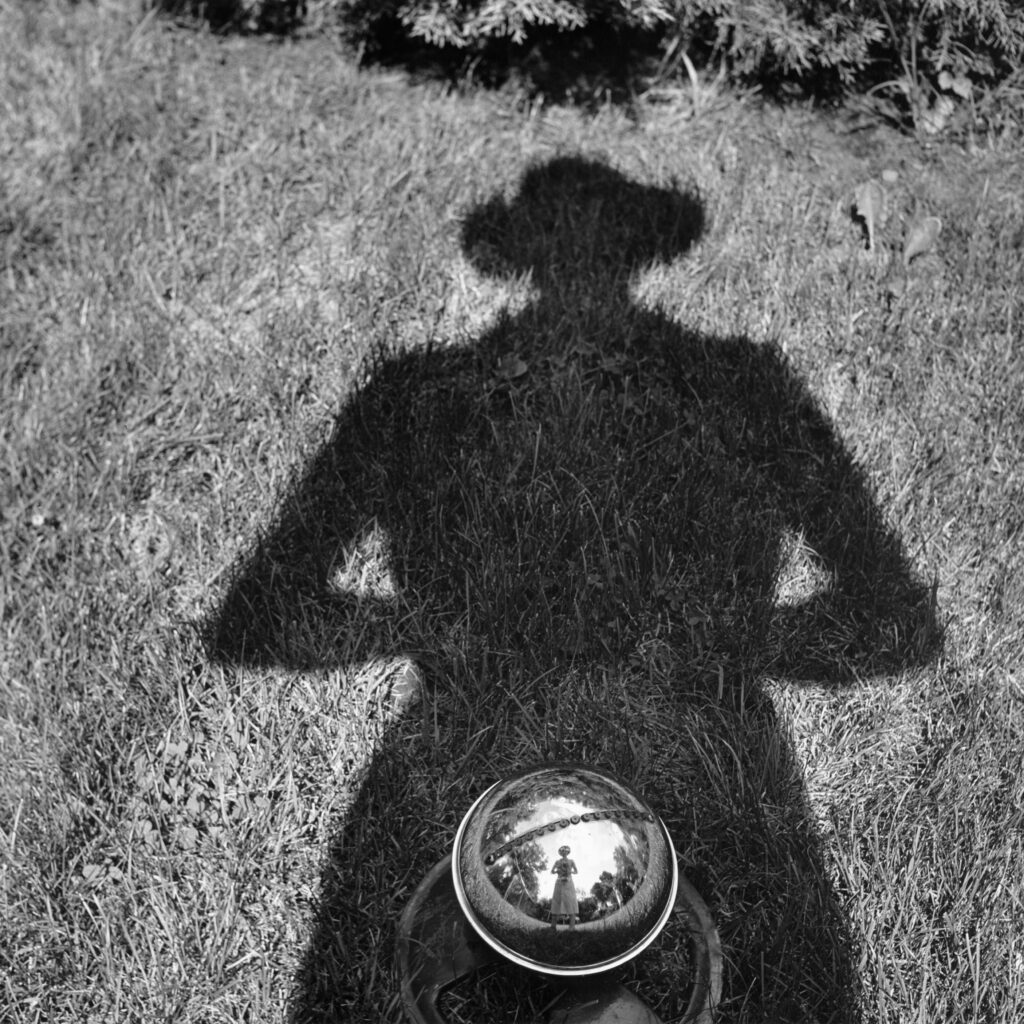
(911, 48)
(841, 44)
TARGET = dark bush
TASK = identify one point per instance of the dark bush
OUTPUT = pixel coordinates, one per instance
(819, 46)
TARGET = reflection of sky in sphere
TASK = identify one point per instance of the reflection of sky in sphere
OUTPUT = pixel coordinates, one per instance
(592, 843)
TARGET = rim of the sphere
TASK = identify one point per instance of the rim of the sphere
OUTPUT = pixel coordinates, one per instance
(537, 965)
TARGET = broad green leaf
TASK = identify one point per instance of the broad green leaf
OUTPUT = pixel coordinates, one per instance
(922, 234)
(934, 119)
(869, 204)
(511, 366)
(959, 84)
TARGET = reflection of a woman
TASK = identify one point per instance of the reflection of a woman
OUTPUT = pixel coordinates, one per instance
(643, 470)
(564, 905)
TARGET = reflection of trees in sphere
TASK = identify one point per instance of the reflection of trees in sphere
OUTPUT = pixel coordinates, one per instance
(627, 876)
(603, 890)
(517, 877)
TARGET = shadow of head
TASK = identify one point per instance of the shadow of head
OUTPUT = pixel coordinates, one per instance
(579, 218)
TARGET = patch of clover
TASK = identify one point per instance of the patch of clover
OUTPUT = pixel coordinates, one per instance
(187, 795)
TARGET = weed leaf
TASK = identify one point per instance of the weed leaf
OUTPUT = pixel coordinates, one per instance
(934, 119)
(869, 205)
(511, 367)
(922, 234)
(93, 873)
(959, 84)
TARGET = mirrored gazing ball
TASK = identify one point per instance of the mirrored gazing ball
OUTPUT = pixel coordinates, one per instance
(564, 869)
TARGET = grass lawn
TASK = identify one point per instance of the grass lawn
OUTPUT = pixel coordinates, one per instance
(363, 441)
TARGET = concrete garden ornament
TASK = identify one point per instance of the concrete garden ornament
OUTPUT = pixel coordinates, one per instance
(564, 870)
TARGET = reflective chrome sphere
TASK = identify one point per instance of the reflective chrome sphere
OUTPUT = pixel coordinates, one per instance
(564, 869)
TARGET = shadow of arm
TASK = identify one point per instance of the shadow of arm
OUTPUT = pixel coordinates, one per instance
(875, 615)
(317, 589)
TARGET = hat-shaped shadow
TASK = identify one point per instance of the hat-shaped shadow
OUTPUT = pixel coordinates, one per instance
(582, 221)
(582, 522)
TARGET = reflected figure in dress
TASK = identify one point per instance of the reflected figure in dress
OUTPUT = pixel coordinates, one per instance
(565, 908)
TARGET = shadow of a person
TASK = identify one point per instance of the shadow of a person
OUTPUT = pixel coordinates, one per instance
(585, 513)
